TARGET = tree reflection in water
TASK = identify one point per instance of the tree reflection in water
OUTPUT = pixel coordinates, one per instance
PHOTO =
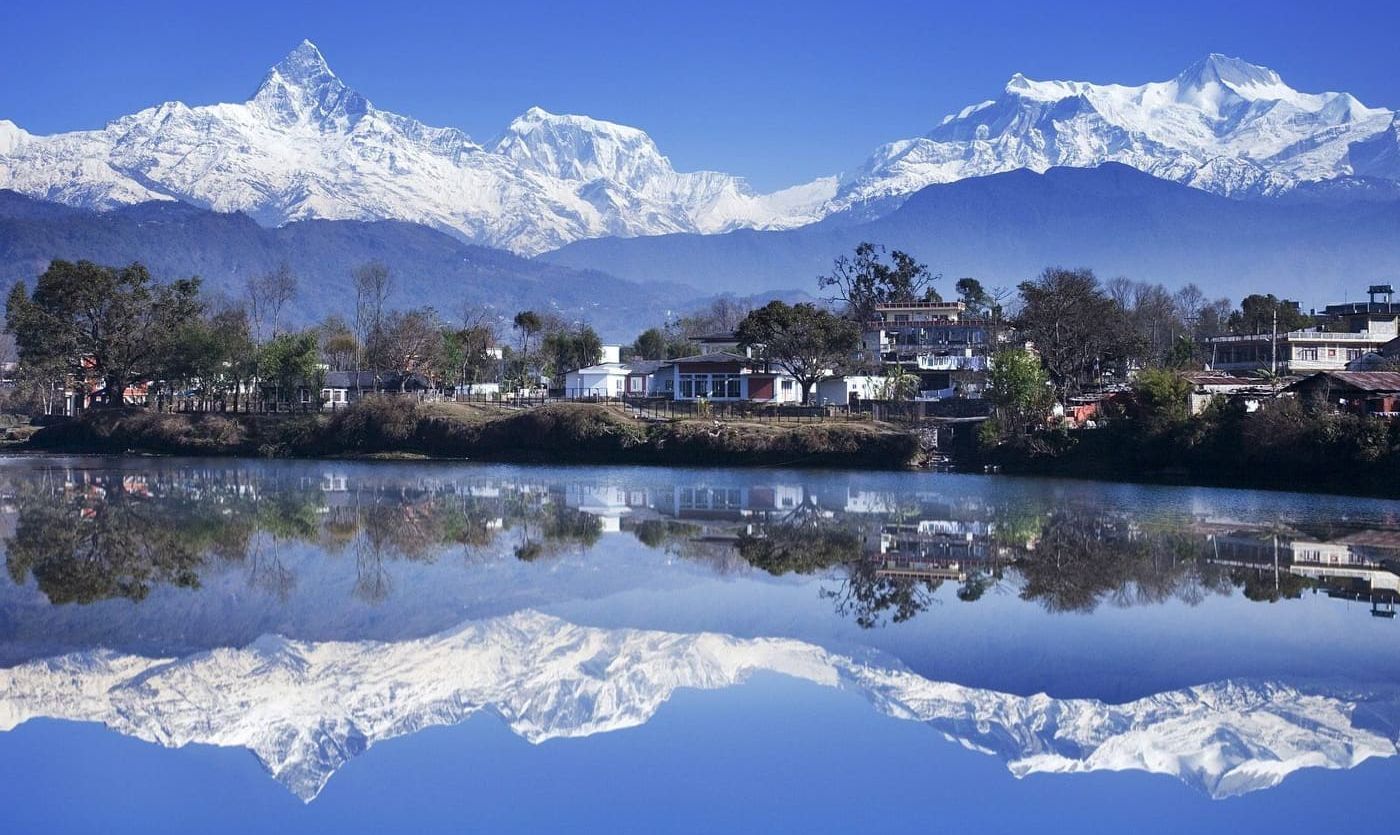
(84, 535)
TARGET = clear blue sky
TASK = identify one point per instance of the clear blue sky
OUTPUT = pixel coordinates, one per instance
(778, 92)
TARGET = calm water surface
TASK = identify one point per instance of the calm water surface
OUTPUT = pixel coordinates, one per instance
(214, 645)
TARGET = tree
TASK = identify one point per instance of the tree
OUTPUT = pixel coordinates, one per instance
(650, 345)
(527, 323)
(1018, 387)
(373, 283)
(803, 339)
(971, 293)
(289, 358)
(267, 295)
(1075, 327)
(339, 347)
(899, 384)
(410, 339)
(1161, 398)
(1257, 312)
(110, 323)
(721, 315)
(861, 283)
(570, 350)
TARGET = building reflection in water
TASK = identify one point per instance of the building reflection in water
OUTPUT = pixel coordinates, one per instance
(85, 534)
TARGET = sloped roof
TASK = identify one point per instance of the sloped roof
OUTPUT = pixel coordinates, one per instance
(716, 357)
(1359, 380)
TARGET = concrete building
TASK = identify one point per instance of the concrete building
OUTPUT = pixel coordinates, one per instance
(938, 342)
(1345, 334)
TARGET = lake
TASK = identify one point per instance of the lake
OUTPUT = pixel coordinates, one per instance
(319, 646)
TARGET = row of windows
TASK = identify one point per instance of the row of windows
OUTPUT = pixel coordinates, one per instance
(711, 386)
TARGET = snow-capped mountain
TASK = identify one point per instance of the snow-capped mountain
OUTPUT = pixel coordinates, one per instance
(308, 146)
(1222, 125)
(304, 709)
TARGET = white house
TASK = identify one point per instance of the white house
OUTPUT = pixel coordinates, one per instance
(838, 391)
(724, 376)
(608, 379)
(637, 378)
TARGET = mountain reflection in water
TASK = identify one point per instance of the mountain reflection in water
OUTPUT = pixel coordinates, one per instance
(304, 709)
(307, 610)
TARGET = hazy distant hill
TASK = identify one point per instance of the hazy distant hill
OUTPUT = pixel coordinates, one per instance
(1006, 227)
(175, 239)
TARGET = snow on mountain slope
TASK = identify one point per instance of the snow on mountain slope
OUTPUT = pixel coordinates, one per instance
(1222, 125)
(307, 146)
(304, 709)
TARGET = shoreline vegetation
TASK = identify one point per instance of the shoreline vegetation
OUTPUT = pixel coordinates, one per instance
(1285, 444)
(1283, 447)
(555, 433)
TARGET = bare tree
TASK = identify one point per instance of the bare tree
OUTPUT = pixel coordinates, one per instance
(410, 340)
(373, 283)
(267, 296)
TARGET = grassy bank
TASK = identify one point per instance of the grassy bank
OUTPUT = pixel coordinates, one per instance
(565, 432)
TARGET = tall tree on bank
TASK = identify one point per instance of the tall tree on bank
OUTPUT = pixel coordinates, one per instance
(527, 323)
(1073, 324)
(862, 282)
(111, 323)
(373, 283)
(803, 339)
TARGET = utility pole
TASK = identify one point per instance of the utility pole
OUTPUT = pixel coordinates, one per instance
(1273, 346)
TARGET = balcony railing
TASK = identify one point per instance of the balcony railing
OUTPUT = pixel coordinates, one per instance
(933, 362)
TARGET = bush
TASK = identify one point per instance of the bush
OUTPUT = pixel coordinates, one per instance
(380, 423)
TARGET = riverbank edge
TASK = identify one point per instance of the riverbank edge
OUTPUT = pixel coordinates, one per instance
(1084, 466)
(559, 433)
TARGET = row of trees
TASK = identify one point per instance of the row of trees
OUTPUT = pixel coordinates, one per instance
(104, 329)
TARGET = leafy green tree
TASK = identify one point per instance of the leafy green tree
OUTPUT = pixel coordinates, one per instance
(1161, 398)
(570, 350)
(650, 345)
(288, 359)
(1018, 387)
(972, 294)
(111, 323)
(804, 340)
(1257, 312)
(862, 282)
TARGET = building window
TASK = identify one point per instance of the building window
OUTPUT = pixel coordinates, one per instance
(1305, 354)
(787, 386)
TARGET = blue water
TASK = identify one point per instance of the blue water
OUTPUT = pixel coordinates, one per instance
(191, 584)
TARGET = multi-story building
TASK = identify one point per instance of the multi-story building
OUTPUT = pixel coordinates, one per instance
(1345, 333)
(939, 342)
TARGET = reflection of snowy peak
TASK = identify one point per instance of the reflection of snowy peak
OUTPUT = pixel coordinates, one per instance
(307, 146)
(1222, 125)
(305, 708)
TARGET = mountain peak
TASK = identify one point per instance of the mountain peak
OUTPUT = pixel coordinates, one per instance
(302, 87)
(1225, 70)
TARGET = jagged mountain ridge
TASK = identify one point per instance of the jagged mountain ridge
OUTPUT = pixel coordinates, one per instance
(1222, 125)
(306, 145)
(304, 709)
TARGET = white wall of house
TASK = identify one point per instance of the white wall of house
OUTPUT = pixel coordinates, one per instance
(596, 381)
(837, 391)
